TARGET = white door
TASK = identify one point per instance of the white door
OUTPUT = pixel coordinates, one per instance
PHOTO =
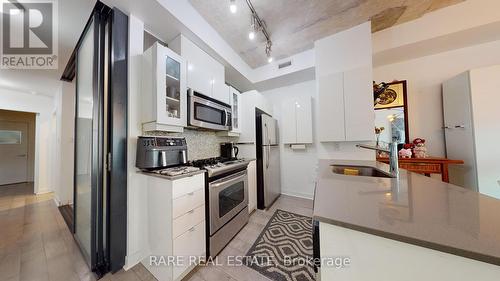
(14, 151)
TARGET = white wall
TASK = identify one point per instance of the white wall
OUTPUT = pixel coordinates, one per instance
(44, 107)
(425, 76)
(485, 89)
(298, 168)
(137, 217)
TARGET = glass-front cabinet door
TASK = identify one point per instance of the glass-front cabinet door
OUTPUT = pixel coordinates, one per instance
(235, 106)
(171, 91)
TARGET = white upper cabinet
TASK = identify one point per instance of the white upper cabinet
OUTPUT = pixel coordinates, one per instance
(164, 92)
(204, 74)
(344, 80)
(288, 126)
(296, 121)
(219, 87)
(250, 101)
(331, 121)
(358, 98)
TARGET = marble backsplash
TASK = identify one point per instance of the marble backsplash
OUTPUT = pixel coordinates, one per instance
(201, 144)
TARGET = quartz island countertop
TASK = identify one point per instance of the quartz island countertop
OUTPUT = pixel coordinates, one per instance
(413, 209)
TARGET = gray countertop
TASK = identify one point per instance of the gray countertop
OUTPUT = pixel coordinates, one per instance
(414, 209)
(201, 171)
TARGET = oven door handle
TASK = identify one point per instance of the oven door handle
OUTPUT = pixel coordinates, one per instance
(228, 180)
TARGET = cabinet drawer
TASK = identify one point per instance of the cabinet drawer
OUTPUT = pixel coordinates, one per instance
(191, 243)
(187, 185)
(421, 167)
(188, 202)
(188, 220)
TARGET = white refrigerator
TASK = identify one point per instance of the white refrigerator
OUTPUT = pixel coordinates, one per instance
(472, 129)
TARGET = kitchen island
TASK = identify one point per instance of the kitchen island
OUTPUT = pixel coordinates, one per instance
(411, 228)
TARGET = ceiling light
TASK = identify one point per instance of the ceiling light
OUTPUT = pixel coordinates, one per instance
(251, 35)
(232, 6)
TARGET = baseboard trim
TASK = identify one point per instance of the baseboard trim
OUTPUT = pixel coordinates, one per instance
(57, 201)
(134, 259)
(40, 192)
(298, 194)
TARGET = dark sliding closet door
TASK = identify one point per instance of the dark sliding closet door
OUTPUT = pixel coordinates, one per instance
(100, 67)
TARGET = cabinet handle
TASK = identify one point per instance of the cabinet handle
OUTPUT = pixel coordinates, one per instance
(191, 229)
(460, 126)
(190, 193)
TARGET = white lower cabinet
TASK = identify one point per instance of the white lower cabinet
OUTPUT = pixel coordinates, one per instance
(176, 211)
(186, 202)
(252, 186)
(187, 220)
(188, 245)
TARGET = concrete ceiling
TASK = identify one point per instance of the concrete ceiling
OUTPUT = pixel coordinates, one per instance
(72, 17)
(294, 25)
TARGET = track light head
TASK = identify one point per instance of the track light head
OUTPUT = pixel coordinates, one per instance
(232, 6)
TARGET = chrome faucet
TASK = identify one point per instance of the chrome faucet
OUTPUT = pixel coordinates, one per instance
(393, 155)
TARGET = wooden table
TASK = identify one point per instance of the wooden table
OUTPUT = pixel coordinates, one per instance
(426, 166)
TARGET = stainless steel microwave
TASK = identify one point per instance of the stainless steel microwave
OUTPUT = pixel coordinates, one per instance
(208, 113)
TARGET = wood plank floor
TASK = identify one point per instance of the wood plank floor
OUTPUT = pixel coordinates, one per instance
(36, 244)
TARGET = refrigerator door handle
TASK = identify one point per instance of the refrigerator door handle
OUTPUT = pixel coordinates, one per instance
(267, 148)
(268, 151)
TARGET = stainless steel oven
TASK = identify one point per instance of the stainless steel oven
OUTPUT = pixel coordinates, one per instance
(228, 196)
(208, 113)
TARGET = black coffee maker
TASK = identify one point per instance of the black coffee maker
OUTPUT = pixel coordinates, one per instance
(228, 151)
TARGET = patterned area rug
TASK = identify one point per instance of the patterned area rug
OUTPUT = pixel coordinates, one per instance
(284, 248)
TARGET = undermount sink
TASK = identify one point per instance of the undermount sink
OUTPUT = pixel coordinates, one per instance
(364, 171)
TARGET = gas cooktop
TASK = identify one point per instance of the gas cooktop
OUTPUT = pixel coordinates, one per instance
(217, 166)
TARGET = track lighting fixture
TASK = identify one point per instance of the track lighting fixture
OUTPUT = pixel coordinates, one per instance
(258, 25)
